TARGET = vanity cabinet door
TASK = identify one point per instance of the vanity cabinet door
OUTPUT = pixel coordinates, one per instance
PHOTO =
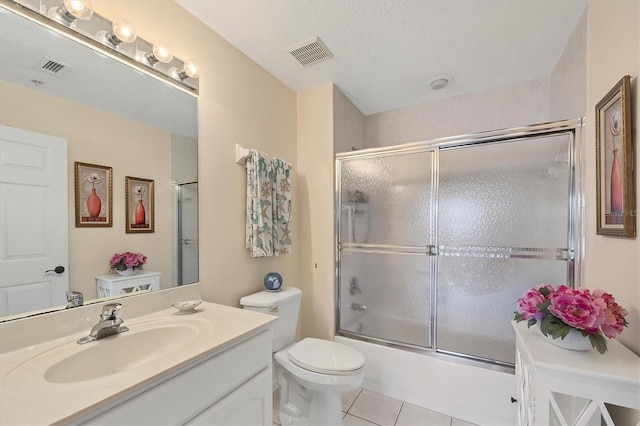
(247, 405)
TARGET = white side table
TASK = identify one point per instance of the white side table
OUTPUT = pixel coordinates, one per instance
(561, 387)
(114, 284)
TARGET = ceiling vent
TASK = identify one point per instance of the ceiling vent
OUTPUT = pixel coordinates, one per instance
(310, 52)
(52, 67)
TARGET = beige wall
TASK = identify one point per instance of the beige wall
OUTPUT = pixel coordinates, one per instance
(239, 103)
(315, 176)
(613, 50)
(130, 148)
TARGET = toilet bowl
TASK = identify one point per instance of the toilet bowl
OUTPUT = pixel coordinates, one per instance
(313, 373)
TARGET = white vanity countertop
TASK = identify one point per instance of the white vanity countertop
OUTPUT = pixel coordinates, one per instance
(27, 398)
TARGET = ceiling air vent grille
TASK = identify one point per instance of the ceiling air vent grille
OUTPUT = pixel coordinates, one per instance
(52, 67)
(310, 52)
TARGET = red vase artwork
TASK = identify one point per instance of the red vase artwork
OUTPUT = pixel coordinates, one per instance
(616, 186)
(616, 208)
(93, 204)
(140, 213)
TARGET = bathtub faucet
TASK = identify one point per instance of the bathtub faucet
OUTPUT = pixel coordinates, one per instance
(359, 307)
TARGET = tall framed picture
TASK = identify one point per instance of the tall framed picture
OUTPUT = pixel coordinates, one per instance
(614, 163)
(139, 205)
(93, 188)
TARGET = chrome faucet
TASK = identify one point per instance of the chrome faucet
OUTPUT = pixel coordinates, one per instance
(109, 324)
(75, 299)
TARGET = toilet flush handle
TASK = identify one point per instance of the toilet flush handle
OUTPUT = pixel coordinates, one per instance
(274, 309)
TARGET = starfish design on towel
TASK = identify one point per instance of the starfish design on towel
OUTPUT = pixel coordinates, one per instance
(264, 212)
(286, 233)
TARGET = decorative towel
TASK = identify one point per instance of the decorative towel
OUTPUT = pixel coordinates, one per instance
(268, 205)
(281, 171)
(259, 206)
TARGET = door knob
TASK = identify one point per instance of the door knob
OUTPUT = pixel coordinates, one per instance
(57, 270)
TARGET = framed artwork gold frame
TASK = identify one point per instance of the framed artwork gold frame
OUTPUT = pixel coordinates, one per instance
(139, 206)
(616, 214)
(94, 196)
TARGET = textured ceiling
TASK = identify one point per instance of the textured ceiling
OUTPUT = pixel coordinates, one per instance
(386, 51)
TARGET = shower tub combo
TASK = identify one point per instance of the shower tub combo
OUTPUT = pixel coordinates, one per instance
(435, 243)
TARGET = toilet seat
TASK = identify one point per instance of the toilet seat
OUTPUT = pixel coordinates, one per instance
(326, 357)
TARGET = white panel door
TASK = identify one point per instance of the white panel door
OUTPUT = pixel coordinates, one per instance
(33, 220)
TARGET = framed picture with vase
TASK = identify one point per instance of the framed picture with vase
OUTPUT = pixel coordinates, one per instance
(616, 214)
(139, 205)
(94, 200)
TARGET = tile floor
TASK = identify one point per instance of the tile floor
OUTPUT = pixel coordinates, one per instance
(363, 407)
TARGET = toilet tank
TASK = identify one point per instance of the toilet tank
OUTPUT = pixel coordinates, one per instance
(285, 304)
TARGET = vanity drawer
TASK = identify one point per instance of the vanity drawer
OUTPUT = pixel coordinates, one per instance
(183, 396)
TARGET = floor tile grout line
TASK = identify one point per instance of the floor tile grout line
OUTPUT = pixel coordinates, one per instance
(362, 418)
(354, 400)
(399, 411)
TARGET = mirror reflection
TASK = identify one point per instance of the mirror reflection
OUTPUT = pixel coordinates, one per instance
(63, 103)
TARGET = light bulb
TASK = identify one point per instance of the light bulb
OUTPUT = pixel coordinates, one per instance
(191, 69)
(124, 31)
(161, 53)
(75, 9)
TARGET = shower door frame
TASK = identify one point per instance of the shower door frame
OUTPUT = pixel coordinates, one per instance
(180, 241)
(575, 233)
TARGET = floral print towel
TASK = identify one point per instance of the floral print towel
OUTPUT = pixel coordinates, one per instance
(268, 227)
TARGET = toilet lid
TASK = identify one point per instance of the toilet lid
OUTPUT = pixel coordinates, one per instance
(326, 357)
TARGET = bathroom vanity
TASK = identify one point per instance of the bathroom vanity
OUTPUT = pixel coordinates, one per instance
(212, 366)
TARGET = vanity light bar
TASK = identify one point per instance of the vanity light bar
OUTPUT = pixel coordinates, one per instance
(95, 33)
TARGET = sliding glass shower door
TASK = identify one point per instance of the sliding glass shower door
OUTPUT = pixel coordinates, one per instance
(385, 232)
(436, 241)
(503, 222)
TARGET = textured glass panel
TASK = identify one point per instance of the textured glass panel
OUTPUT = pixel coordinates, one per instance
(510, 194)
(476, 299)
(386, 200)
(394, 288)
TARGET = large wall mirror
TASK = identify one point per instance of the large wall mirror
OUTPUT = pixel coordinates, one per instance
(102, 112)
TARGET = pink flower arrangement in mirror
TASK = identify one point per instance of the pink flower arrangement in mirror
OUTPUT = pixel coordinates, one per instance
(123, 261)
(594, 314)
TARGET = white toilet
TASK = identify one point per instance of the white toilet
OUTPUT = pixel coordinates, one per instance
(312, 374)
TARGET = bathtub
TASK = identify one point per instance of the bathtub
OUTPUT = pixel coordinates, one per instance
(465, 389)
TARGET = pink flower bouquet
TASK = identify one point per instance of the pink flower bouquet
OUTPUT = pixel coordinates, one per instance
(594, 314)
(122, 261)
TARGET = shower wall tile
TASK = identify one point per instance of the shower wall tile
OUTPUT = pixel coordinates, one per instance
(502, 107)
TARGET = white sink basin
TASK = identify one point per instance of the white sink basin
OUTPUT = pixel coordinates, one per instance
(144, 343)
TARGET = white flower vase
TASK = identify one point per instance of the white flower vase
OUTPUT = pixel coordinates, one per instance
(574, 341)
(129, 271)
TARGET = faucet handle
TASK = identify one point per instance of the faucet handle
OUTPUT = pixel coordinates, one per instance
(110, 310)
